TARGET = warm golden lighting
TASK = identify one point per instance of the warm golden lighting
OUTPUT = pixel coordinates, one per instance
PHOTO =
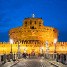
(34, 37)
(11, 41)
(55, 40)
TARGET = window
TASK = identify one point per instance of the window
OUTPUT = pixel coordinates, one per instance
(39, 23)
(53, 30)
(32, 27)
(25, 22)
(35, 22)
(30, 22)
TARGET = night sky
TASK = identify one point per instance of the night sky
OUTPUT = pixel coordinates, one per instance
(13, 12)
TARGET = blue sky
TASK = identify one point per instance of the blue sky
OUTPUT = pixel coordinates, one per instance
(13, 12)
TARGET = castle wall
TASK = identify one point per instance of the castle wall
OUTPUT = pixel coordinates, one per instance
(61, 48)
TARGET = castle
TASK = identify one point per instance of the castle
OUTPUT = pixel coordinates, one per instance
(34, 37)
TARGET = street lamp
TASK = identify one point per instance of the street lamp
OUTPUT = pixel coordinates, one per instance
(18, 49)
(55, 41)
(47, 49)
(4, 56)
(11, 42)
(41, 50)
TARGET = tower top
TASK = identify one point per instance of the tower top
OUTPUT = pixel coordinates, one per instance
(33, 15)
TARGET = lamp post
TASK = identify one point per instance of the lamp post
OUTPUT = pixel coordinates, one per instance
(55, 41)
(47, 49)
(18, 49)
(11, 42)
(4, 56)
(41, 50)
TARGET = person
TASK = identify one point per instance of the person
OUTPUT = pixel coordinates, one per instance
(24, 55)
(29, 55)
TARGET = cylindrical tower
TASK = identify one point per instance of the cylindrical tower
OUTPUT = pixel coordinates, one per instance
(33, 30)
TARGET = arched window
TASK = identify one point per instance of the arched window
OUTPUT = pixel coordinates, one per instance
(39, 23)
(35, 22)
(30, 22)
(25, 23)
(32, 27)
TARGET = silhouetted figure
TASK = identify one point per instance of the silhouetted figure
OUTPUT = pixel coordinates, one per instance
(29, 55)
(24, 55)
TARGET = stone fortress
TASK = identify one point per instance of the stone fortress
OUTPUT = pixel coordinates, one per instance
(34, 37)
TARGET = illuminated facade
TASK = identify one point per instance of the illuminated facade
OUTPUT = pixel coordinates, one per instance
(34, 34)
(32, 37)
(5, 48)
(33, 30)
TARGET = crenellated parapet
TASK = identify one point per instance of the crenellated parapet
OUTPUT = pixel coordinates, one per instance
(32, 36)
(61, 47)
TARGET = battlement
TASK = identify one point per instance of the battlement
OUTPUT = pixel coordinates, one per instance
(61, 47)
(32, 36)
